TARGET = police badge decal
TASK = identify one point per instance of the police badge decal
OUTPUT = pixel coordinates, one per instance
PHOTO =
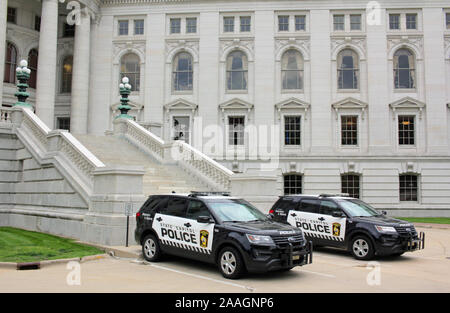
(336, 229)
(204, 238)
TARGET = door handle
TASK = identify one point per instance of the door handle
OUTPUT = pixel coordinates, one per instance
(187, 225)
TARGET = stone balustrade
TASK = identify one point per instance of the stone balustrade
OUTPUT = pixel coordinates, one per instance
(5, 115)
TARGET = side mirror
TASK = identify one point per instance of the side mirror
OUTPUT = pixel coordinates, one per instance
(338, 214)
(204, 220)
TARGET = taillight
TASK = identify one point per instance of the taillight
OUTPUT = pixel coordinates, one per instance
(138, 214)
(272, 211)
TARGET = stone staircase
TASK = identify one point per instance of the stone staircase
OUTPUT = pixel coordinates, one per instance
(158, 178)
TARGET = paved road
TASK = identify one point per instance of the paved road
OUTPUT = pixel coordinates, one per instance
(332, 271)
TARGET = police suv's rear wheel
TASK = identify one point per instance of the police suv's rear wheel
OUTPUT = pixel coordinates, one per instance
(362, 248)
(151, 249)
(230, 263)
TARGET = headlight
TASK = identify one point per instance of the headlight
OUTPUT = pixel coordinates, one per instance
(259, 240)
(386, 229)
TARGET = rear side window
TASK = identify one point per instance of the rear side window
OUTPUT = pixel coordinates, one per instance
(310, 206)
(175, 207)
(197, 209)
(151, 204)
(328, 207)
(284, 205)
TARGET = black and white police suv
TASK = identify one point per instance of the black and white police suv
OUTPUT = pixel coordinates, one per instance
(220, 229)
(348, 223)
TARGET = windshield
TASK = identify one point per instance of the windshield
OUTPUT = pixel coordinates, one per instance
(355, 208)
(235, 210)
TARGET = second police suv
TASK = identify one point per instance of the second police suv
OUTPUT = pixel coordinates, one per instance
(348, 223)
(220, 229)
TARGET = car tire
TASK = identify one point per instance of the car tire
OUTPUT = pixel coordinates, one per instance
(362, 248)
(151, 249)
(230, 263)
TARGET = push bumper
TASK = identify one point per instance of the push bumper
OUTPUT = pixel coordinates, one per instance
(401, 245)
(279, 258)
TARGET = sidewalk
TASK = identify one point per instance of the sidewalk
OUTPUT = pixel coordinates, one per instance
(432, 225)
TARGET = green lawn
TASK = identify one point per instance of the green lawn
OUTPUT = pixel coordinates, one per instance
(433, 220)
(18, 245)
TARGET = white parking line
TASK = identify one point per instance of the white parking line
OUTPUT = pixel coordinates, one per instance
(201, 277)
(317, 273)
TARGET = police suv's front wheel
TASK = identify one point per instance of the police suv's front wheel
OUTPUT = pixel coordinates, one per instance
(362, 248)
(230, 263)
(150, 248)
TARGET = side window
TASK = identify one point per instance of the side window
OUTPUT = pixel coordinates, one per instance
(175, 207)
(309, 206)
(328, 207)
(197, 209)
(151, 203)
(284, 205)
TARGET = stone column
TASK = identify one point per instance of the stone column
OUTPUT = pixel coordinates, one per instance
(3, 10)
(80, 76)
(46, 79)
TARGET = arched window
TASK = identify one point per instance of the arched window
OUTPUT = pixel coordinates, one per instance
(237, 71)
(66, 81)
(10, 64)
(182, 72)
(32, 65)
(348, 69)
(404, 72)
(130, 67)
(292, 70)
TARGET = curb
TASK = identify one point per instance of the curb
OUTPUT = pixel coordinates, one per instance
(435, 226)
(45, 263)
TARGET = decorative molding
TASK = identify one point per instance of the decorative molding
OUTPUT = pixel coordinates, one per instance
(350, 103)
(300, 43)
(122, 47)
(408, 103)
(180, 104)
(245, 44)
(292, 104)
(175, 46)
(358, 43)
(236, 104)
(413, 41)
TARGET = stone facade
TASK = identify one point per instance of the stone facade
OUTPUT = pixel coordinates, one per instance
(321, 159)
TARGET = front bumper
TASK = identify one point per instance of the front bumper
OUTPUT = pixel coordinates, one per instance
(277, 258)
(401, 244)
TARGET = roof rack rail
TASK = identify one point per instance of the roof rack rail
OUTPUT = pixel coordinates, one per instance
(326, 195)
(209, 193)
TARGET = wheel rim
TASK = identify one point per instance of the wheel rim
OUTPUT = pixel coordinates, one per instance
(228, 262)
(360, 247)
(150, 248)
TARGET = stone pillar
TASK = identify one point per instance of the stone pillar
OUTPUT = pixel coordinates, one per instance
(46, 79)
(3, 10)
(80, 78)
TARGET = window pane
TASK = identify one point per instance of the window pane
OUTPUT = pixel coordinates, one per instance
(228, 24)
(32, 65)
(245, 23)
(300, 22)
(292, 70)
(411, 21)
(139, 27)
(236, 126)
(355, 22)
(181, 128)
(292, 130)
(283, 23)
(350, 185)
(404, 73)
(130, 67)
(63, 123)
(175, 25)
(338, 22)
(394, 21)
(37, 23)
(12, 15)
(406, 131)
(191, 25)
(176, 207)
(69, 30)
(310, 206)
(292, 184)
(183, 73)
(408, 188)
(348, 72)
(123, 28)
(10, 64)
(349, 130)
(66, 85)
(237, 71)
(197, 209)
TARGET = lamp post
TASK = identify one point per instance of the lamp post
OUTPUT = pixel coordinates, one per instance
(125, 90)
(23, 75)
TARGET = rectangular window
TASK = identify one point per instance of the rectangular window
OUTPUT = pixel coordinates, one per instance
(181, 128)
(191, 25)
(283, 23)
(138, 27)
(408, 187)
(349, 130)
(406, 132)
(310, 206)
(447, 20)
(236, 126)
(63, 123)
(300, 22)
(292, 184)
(123, 28)
(37, 23)
(228, 24)
(69, 30)
(355, 22)
(394, 21)
(12, 15)
(292, 130)
(176, 207)
(245, 23)
(350, 185)
(338, 22)
(411, 21)
(175, 25)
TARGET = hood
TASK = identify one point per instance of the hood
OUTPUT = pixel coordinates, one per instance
(268, 228)
(381, 220)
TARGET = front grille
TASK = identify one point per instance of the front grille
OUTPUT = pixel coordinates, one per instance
(286, 240)
(408, 231)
